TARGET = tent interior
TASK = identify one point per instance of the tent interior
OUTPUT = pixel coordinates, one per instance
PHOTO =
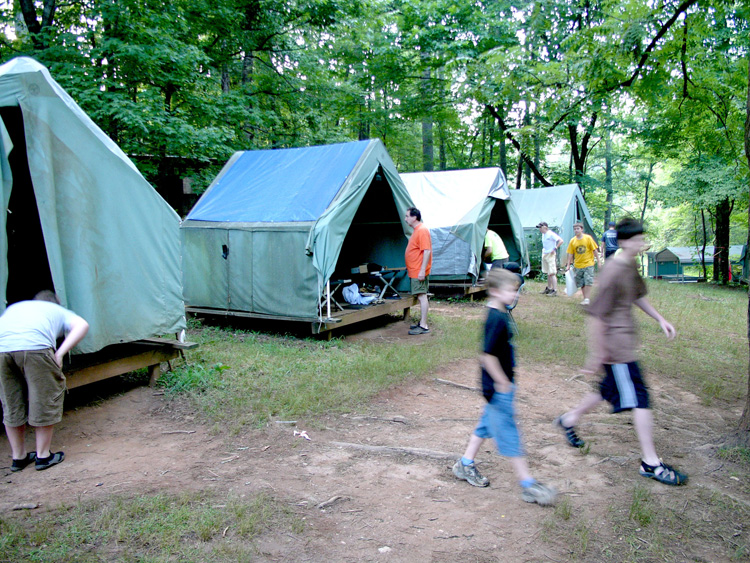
(375, 236)
(28, 265)
(500, 223)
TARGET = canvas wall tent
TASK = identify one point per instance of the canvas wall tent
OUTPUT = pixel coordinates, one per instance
(276, 225)
(672, 260)
(560, 207)
(458, 206)
(81, 218)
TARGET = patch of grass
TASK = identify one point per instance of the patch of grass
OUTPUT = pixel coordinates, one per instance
(158, 528)
(736, 454)
(241, 378)
(641, 509)
(563, 509)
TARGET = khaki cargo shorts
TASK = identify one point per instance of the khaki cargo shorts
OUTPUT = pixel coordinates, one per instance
(584, 276)
(32, 388)
(549, 263)
(419, 286)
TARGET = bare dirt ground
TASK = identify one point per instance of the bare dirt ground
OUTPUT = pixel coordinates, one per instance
(397, 505)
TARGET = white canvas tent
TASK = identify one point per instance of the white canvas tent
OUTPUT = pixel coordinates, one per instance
(459, 206)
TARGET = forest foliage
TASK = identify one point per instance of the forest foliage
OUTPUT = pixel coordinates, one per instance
(642, 103)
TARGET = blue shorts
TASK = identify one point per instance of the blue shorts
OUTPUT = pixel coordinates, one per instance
(499, 422)
(623, 387)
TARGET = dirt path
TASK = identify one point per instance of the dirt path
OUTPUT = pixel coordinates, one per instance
(389, 505)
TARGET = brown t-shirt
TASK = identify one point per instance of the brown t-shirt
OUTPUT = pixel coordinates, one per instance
(619, 286)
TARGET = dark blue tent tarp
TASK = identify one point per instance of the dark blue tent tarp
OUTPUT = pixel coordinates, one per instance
(274, 186)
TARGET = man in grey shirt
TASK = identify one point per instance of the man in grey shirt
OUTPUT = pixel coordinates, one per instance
(32, 385)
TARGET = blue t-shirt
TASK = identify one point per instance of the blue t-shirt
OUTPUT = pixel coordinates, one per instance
(497, 342)
(610, 240)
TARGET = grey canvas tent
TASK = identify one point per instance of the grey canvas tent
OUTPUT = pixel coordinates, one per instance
(560, 207)
(459, 206)
(276, 226)
(80, 218)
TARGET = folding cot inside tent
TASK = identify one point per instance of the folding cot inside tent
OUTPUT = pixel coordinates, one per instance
(276, 225)
(80, 217)
(560, 207)
(458, 206)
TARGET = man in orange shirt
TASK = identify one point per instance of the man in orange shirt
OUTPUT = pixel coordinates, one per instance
(418, 265)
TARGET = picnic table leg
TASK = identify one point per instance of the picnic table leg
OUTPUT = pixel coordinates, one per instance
(154, 372)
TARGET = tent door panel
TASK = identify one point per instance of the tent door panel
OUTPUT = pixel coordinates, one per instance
(28, 265)
(240, 262)
(205, 267)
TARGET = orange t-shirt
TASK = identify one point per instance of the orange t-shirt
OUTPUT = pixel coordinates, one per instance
(419, 242)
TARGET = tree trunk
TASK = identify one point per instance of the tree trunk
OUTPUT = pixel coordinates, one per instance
(443, 162)
(35, 27)
(428, 151)
(579, 154)
(645, 192)
(503, 157)
(744, 428)
(721, 242)
(537, 158)
(703, 249)
(608, 178)
(527, 166)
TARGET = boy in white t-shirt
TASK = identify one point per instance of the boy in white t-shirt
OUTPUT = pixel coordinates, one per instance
(551, 241)
(32, 385)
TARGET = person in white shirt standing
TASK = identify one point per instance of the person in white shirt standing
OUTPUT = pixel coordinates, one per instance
(32, 385)
(551, 241)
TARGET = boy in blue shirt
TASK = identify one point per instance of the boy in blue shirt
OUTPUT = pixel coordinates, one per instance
(498, 420)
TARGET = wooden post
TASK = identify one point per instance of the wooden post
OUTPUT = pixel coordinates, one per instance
(154, 373)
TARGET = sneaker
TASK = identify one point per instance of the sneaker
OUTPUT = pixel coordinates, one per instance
(552, 293)
(585, 302)
(471, 474)
(546, 291)
(570, 433)
(19, 464)
(47, 462)
(664, 474)
(540, 494)
(419, 330)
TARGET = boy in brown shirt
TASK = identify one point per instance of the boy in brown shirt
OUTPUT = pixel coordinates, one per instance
(621, 287)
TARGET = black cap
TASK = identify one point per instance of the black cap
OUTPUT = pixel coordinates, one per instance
(542, 224)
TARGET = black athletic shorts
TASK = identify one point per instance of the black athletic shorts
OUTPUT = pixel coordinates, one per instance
(623, 387)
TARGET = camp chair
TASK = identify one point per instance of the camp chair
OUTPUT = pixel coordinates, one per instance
(387, 277)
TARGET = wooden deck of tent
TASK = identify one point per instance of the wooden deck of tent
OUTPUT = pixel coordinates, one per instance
(338, 319)
(119, 359)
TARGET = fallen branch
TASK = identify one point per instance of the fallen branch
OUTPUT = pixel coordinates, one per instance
(396, 450)
(459, 385)
(330, 502)
(26, 506)
(179, 432)
(396, 418)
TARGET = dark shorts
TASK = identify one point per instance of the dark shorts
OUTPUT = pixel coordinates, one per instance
(623, 387)
(32, 388)
(419, 286)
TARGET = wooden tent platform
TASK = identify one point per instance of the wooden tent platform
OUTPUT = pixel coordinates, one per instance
(119, 359)
(338, 319)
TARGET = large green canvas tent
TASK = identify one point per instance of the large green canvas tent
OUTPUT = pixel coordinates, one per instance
(80, 217)
(560, 207)
(276, 226)
(459, 206)
(671, 261)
